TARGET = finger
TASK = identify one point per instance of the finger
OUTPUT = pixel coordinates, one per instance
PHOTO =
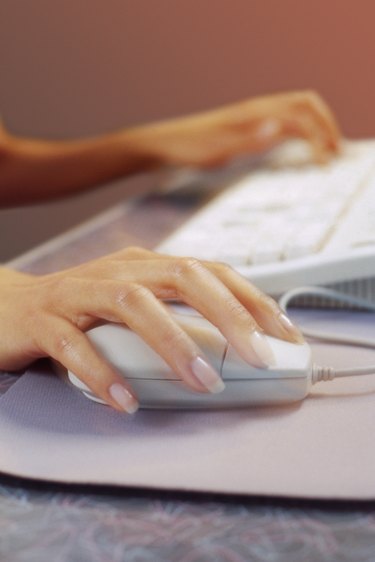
(313, 114)
(264, 309)
(137, 307)
(327, 120)
(69, 346)
(305, 126)
(201, 288)
(189, 280)
(311, 105)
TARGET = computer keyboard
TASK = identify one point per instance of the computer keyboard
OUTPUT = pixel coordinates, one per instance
(291, 223)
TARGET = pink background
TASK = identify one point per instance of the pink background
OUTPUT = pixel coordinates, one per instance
(71, 68)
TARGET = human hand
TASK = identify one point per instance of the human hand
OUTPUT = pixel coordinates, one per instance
(214, 137)
(49, 315)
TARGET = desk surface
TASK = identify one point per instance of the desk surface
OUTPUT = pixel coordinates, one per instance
(41, 522)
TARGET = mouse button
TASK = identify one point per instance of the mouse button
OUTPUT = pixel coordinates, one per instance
(128, 353)
(291, 360)
(206, 336)
(76, 381)
(291, 356)
(234, 367)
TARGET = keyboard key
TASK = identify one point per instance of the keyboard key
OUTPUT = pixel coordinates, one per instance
(273, 217)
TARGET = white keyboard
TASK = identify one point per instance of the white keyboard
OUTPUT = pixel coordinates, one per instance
(292, 225)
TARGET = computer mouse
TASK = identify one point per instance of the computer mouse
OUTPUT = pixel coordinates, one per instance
(156, 386)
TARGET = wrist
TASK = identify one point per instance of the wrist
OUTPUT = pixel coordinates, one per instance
(139, 146)
(5, 141)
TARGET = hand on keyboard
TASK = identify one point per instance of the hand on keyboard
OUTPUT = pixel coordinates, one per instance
(214, 137)
(283, 227)
(302, 115)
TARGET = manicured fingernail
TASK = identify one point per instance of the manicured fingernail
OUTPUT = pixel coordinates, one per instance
(261, 348)
(124, 398)
(207, 375)
(290, 329)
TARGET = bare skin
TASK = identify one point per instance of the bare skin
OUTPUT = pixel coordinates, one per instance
(34, 170)
(48, 316)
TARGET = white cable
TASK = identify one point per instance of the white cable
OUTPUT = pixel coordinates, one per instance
(322, 373)
(357, 302)
(325, 373)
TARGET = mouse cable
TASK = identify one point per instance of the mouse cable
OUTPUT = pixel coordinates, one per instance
(322, 373)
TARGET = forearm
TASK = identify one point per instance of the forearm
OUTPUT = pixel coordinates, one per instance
(33, 170)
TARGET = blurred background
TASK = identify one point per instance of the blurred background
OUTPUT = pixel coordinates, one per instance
(70, 68)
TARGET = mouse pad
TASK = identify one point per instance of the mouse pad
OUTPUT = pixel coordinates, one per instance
(320, 448)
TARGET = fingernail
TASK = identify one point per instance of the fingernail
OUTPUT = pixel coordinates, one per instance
(124, 398)
(290, 329)
(262, 349)
(207, 375)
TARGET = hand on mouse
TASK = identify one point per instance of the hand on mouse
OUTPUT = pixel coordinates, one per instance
(48, 315)
(212, 138)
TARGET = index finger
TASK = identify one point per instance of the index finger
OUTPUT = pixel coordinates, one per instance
(326, 119)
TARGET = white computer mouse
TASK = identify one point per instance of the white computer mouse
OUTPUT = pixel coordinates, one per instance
(156, 386)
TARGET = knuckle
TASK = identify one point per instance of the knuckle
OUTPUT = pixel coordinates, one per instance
(134, 252)
(127, 253)
(130, 296)
(264, 301)
(64, 344)
(304, 95)
(183, 267)
(238, 310)
(224, 268)
(310, 94)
